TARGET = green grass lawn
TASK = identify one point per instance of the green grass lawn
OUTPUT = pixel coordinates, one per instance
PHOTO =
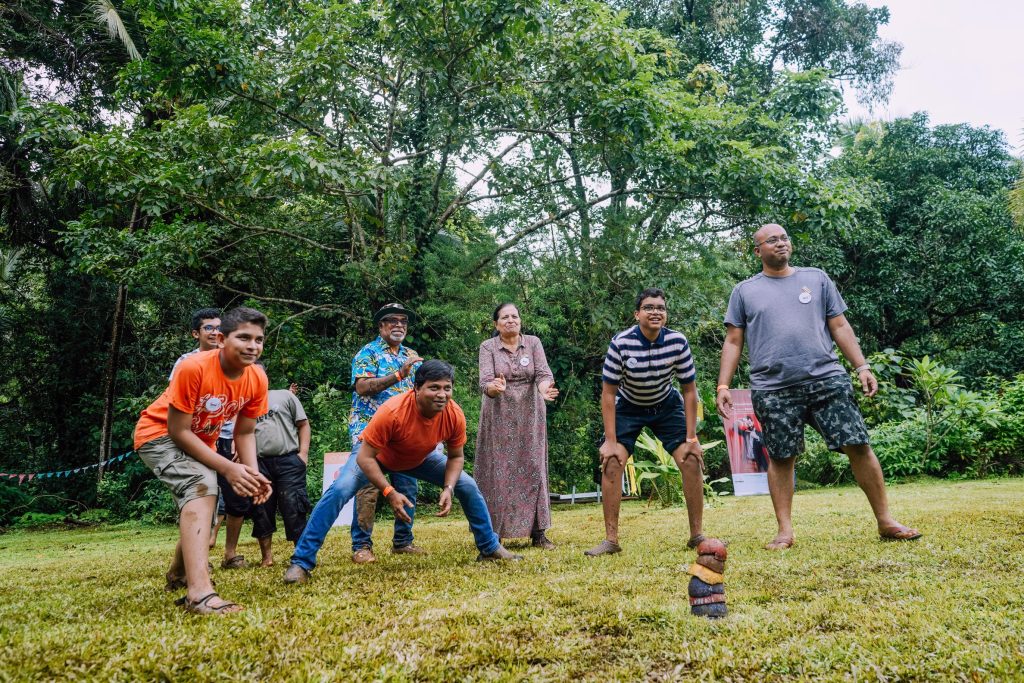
(89, 604)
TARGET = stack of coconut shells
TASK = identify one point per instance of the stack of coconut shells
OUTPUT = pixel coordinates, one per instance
(707, 585)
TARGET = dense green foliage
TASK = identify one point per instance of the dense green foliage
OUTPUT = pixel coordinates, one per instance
(317, 159)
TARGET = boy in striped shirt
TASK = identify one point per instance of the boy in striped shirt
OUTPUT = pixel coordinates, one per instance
(637, 392)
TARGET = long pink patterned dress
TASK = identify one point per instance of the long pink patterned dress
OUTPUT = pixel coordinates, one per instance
(511, 464)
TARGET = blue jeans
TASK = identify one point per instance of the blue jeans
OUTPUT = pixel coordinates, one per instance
(408, 487)
(351, 479)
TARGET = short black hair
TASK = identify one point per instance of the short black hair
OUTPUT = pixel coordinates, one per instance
(497, 311)
(650, 293)
(433, 370)
(199, 315)
(236, 317)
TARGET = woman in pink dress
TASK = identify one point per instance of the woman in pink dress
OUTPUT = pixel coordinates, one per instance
(511, 465)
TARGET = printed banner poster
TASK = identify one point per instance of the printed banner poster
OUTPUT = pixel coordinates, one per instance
(333, 462)
(748, 457)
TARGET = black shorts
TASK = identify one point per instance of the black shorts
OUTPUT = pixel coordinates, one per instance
(234, 504)
(287, 475)
(667, 420)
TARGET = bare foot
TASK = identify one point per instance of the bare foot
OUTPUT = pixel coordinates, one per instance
(267, 562)
(780, 542)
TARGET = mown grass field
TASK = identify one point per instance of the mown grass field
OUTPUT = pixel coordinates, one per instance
(89, 604)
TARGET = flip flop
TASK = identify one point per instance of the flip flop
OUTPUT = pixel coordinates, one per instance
(900, 533)
(202, 606)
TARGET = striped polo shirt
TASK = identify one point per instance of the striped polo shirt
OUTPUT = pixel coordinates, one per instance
(642, 369)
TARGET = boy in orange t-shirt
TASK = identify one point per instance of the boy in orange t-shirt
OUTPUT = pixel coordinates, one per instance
(175, 437)
(402, 437)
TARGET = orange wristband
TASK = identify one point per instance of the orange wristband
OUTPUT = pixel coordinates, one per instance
(387, 490)
(398, 375)
(721, 386)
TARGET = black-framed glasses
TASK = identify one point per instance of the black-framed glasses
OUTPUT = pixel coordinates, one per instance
(772, 241)
(650, 308)
(396, 322)
(211, 328)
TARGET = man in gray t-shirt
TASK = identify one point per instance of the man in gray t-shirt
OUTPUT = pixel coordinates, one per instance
(790, 317)
(282, 444)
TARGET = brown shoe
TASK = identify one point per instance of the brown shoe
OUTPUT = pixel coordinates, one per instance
(540, 540)
(408, 550)
(296, 574)
(603, 548)
(499, 555)
(363, 556)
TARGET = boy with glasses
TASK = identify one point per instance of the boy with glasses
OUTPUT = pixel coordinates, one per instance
(639, 369)
(205, 330)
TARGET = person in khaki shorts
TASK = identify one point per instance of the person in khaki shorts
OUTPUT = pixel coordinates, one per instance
(175, 437)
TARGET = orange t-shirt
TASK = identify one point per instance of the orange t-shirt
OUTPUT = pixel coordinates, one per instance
(199, 387)
(405, 438)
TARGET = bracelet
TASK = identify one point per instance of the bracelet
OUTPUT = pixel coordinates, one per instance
(387, 490)
(398, 375)
(721, 386)
(693, 440)
(861, 368)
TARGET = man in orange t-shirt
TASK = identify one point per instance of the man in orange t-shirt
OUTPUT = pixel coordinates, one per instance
(402, 437)
(175, 437)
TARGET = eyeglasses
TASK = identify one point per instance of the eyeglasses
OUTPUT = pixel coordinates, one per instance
(653, 309)
(396, 322)
(772, 241)
(211, 328)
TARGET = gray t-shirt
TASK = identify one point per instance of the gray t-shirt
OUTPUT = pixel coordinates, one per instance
(785, 322)
(276, 433)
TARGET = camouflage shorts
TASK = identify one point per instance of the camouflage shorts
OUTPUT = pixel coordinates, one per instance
(828, 405)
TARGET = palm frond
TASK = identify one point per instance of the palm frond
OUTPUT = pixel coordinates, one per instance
(107, 15)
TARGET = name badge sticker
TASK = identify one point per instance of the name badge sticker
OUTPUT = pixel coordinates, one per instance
(805, 295)
(524, 361)
(631, 362)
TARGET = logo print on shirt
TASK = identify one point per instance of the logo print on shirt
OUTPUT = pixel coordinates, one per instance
(211, 411)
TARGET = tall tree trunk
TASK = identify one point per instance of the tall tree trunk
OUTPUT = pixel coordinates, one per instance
(110, 375)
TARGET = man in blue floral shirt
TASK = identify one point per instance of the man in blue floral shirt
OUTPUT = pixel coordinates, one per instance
(382, 369)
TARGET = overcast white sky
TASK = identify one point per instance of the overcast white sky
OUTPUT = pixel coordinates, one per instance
(963, 62)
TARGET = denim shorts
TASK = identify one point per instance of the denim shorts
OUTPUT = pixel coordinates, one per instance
(666, 420)
(828, 405)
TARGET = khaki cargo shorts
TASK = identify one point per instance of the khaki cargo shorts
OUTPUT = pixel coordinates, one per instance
(186, 477)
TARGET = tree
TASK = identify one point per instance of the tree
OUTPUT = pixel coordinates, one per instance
(756, 42)
(934, 264)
